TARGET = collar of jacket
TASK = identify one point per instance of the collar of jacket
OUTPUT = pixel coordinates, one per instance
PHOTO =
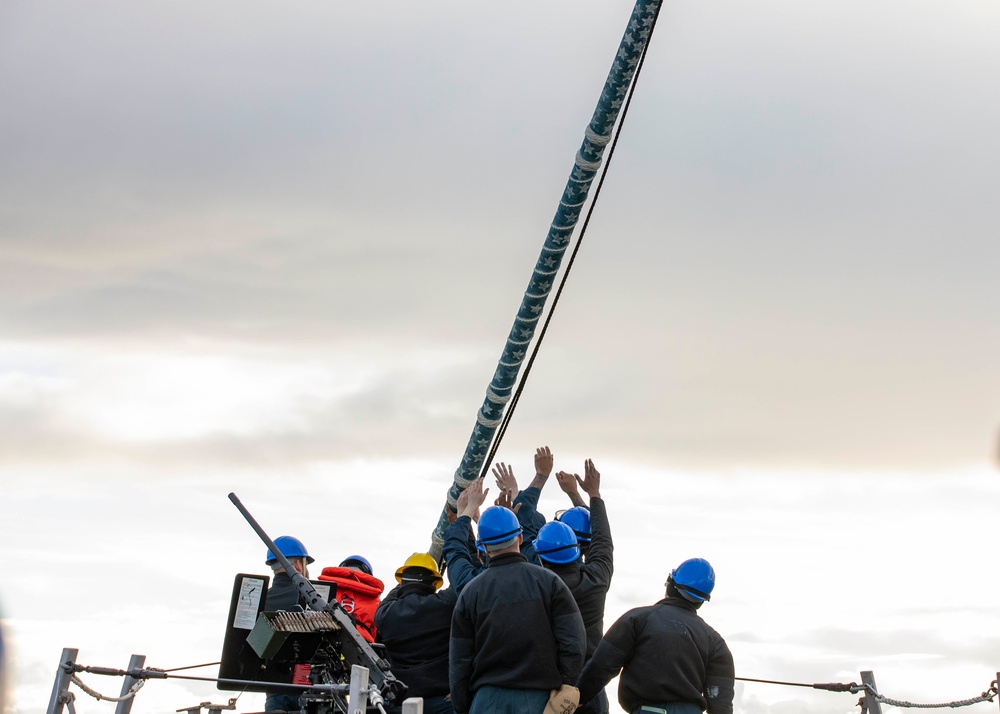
(416, 589)
(507, 559)
(678, 602)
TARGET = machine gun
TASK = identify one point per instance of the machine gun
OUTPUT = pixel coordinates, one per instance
(324, 637)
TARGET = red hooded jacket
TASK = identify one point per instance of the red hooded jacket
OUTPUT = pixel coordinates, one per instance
(358, 593)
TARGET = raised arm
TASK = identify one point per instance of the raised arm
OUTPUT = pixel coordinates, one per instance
(471, 499)
(600, 555)
(591, 481)
(462, 565)
(569, 484)
(543, 467)
(506, 482)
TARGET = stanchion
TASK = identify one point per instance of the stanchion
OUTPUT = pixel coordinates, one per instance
(871, 703)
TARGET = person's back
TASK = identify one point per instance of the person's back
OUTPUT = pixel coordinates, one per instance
(413, 621)
(670, 659)
(283, 596)
(516, 633)
(665, 667)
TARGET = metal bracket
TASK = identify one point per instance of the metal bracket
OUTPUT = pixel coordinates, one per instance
(870, 702)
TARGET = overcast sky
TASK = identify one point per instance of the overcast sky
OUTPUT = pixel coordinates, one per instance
(275, 248)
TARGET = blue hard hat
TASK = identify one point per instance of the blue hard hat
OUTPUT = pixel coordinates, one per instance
(358, 563)
(556, 543)
(577, 518)
(695, 579)
(290, 548)
(497, 525)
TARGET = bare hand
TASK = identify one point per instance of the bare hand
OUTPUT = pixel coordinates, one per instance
(543, 461)
(506, 481)
(568, 483)
(471, 499)
(461, 505)
(505, 500)
(591, 481)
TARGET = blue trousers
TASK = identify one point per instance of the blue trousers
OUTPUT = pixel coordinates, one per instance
(496, 700)
(438, 705)
(282, 703)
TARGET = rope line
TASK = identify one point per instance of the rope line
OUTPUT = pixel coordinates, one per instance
(103, 697)
(508, 414)
(853, 687)
(986, 696)
(141, 675)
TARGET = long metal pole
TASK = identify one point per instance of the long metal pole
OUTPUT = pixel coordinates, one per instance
(585, 167)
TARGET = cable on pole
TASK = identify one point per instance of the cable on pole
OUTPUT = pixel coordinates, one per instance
(516, 397)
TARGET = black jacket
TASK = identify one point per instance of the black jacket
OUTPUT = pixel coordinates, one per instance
(459, 552)
(414, 622)
(282, 595)
(516, 626)
(589, 581)
(669, 654)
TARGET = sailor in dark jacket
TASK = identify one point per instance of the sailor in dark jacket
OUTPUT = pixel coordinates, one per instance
(589, 581)
(414, 619)
(517, 638)
(671, 661)
(283, 595)
(559, 551)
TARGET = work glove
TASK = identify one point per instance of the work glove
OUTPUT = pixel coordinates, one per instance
(564, 700)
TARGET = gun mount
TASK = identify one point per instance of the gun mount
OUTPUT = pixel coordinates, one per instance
(298, 651)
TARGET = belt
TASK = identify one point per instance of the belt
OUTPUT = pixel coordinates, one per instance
(653, 710)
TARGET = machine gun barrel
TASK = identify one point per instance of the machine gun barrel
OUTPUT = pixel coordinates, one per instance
(313, 599)
(356, 648)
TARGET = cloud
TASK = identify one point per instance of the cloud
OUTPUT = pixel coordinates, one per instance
(790, 263)
(208, 407)
(901, 643)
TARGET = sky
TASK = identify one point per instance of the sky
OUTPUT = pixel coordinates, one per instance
(275, 249)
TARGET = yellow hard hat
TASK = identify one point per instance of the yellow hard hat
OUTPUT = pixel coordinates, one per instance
(423, 561)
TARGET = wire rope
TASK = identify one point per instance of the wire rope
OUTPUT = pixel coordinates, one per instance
(509, 413)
